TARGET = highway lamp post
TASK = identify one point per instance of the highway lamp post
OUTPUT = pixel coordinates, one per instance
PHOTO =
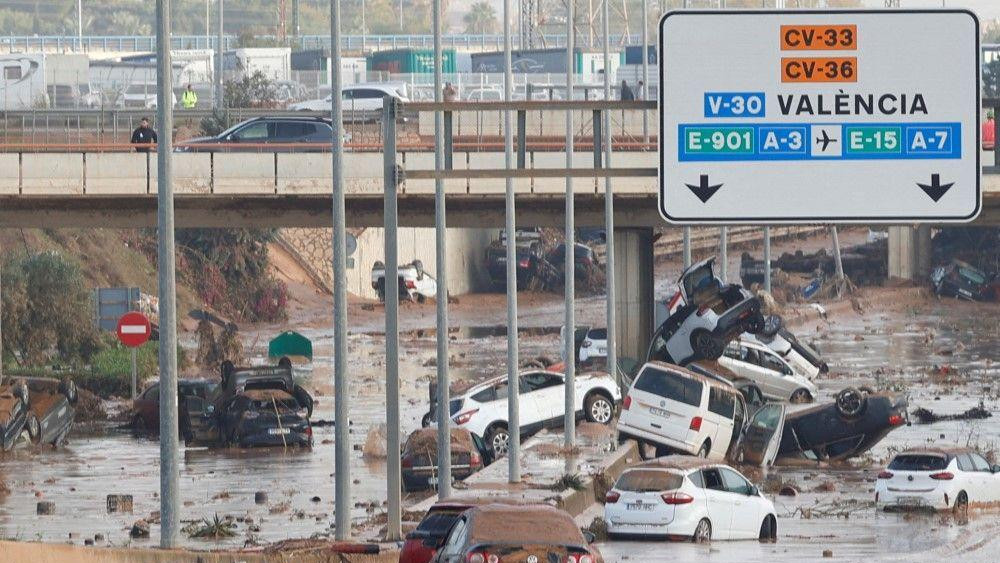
(220, 50)
(341, 386)
(569, 417)
(609, 204)
(724, 253)
(687, 247)
(441, 239)
(166, 274)
(513, 387)
(645, 69)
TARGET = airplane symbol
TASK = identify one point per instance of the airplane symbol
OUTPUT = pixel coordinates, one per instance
(825, 140)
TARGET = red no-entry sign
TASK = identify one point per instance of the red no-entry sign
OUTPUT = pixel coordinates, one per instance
(133, 329)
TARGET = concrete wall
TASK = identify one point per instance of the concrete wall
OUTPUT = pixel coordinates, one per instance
(909, 252)
(634, 291)
(466, 252)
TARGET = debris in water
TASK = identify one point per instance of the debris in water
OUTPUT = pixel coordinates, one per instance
(926, 416)
(45, 508)
(140, 529)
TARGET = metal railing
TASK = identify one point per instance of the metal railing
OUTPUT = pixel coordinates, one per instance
(464, 41)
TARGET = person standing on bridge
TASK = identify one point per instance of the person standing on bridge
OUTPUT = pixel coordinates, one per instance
(627, 95)
(189, 98)
(450, 93)
(144, 135)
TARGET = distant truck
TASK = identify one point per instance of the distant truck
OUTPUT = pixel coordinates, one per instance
(22, 81)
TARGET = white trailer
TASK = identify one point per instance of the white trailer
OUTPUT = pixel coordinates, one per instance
(273, 63)
(22, 81)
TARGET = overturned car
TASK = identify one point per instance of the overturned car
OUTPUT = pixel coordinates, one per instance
(254, 406)
(41, 407)
(709, 314)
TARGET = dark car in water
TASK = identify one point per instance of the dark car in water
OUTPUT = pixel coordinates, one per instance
(255, 406)
(583, 258)
(469, 454)
(51, 409)
(963, 281)
(13, 412)
(849, 426)
(496, 263)
(146, 408)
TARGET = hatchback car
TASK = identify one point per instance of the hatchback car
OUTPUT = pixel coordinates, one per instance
(51, 409)
(422, 543)
(14, 397)
(773, 375)
(526, 533)
(483, 408)
(710, 314)
(688, 498)
(940, 479)
(469, 454)
(357, 97)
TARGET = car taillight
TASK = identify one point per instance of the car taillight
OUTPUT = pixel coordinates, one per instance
(463, 417)
(406, 462)
(523, 263)
(627, 402)
(696, 423)
(410, 284)
(677, 498)
(885, 475)
(586, 344)
(943, 476)
(612, 497)
(579, 558)
(482, 557)
(701, 310)
(309, 431)
(474, 458)
(896, 420)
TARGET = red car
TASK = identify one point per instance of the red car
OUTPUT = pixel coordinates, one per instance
(146, 407)
(422, 543)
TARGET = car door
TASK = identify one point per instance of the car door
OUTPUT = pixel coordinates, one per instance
(256, 132)
(987, 480)
(779, 370)
(733, 357)
(720, 503)
(746, 517)
(148, 406)
(546, 396)
(762, 436)
(969, 477)
(451, 551)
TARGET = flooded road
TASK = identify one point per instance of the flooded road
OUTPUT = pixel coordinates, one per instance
(946, 356)
(896, 351)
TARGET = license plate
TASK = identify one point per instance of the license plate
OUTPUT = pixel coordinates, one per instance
(278, 431)
(638, 506)
(659, 412)
(602, 351)
(910, 501)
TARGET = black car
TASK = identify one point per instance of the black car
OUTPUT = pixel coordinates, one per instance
(314, 134)
(583, 258)
(254, 406)
(469, 454)
(496, 263)
(14, 398)
(962, 281)
(849, 426)
(51, 409)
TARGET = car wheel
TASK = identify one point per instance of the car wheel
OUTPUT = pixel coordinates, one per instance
(421, 299)
(34, 428)
(800, 396)
(703, 532)
(705, 345)
(425, 421)
(961, 507)
(768, 530)
(756, 324)
(598, 408)
(705, 448)
(498, 439)
(851, 402)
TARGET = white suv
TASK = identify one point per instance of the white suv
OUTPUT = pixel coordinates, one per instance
(483, 408)
(773, 375)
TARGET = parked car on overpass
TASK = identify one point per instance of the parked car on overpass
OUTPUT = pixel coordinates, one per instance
(357, 97)
(311, 134)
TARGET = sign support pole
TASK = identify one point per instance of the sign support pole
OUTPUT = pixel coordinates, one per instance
(513, 385)
(724, 253)
(135, 376)
(687, 247)
(569, 419)
(767, 259)
(342, 435)
(609, 206)
(393, 476)
(166, 272)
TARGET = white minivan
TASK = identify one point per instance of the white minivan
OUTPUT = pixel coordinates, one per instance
(680, 411)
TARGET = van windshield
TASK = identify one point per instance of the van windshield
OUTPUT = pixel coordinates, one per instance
(670, 386)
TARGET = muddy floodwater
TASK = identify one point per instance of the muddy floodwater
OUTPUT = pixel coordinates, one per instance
(945, 355)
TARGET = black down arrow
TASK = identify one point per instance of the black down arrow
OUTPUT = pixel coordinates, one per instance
(936, 189)
(703, 190)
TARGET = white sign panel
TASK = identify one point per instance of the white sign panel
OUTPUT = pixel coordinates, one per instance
(819, 116)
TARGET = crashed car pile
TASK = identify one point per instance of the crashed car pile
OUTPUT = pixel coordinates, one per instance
(540, 262)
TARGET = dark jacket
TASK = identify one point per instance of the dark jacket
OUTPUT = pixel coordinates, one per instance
(143, 136)
(627, 94)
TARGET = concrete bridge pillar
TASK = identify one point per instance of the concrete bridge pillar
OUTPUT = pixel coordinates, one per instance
(909, 252)
(634, 297)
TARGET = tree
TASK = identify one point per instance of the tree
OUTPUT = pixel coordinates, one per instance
(47, 310)
(481, 18)
(255, 90)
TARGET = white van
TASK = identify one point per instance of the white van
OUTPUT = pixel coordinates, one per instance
(678, 410)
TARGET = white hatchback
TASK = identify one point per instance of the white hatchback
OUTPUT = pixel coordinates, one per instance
(773, 375)
(939, 479)
(483, 408)
(688, 498)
